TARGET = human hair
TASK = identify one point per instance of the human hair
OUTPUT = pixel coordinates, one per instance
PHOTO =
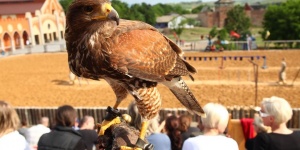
(136, 118)
(279, 108)
(9, 119)
(65, 116)
(184, 122)
(259, 124)
(216, 117)
(86, 119)
(172, 128)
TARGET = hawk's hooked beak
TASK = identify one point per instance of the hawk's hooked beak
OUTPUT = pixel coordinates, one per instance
(107, 12)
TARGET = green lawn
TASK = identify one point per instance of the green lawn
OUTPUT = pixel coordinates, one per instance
(195, 33)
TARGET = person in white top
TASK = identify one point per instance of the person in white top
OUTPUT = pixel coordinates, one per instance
(10, 139)
(214, 125)
(35, 132)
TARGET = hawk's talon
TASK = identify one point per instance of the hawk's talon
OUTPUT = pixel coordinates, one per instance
(106, 124)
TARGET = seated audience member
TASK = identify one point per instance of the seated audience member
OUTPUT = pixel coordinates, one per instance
(259, 128)
(10, 139)
(276, 112)
(159, 140)
(214, 125)
(200, 127)
(172, 129)
(88, 133)
(35, 132)
(23, 130)
(63, 136)
(185, 127)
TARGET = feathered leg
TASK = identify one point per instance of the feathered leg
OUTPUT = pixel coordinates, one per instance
(113, 116)
(148, 102)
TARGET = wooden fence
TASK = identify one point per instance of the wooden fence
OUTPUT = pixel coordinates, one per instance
(32, 115)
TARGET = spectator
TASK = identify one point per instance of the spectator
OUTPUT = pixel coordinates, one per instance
(172, 129)
(200, 127)
(35, 132)
(214, 126)
(159, 140)
(63, 136)
(185, 127)
(10, 139)
(259, 128)
(276, 112)
(249, 42)
(23, 130)
(87, 132)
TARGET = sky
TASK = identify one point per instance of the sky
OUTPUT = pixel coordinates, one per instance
(153, 2)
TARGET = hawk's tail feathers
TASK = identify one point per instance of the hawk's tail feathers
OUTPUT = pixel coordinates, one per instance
(185, 96)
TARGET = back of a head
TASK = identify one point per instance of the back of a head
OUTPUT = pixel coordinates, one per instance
(44, 121)
(9, 118)
(216, 117)
(279, 108)
(87, 122)
(65, 116)
(184, 122)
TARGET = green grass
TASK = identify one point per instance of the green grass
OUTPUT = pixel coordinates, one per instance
(195, 33)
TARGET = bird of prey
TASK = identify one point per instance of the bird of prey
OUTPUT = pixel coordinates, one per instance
(132, 56)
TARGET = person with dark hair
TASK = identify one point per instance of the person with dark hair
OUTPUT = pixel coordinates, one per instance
(185, 127)
(23, 130)
(87, 131)
(172, 129)
(63, 136)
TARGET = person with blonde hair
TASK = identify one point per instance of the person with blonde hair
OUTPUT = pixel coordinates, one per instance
(159, 140)
(214, 124)
(276, 112)
(10, 139)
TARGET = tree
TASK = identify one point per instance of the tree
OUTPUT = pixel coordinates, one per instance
(65, 4)
(237, 20)
(198, 9)
(283, 21)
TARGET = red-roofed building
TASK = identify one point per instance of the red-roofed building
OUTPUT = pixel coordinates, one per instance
(30, 21)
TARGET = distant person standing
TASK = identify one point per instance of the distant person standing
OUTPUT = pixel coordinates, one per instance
(35, 132)
(282, 74)
(249, 42)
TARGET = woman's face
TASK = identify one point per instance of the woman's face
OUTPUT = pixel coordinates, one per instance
(267, 118)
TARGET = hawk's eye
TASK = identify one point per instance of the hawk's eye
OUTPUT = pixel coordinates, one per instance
(88, 9)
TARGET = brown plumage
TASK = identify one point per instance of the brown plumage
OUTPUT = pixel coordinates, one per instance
(132, 56)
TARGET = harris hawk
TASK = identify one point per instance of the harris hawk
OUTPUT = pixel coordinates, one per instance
(132, 56)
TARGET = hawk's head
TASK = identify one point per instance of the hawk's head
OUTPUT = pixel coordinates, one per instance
(91, 15)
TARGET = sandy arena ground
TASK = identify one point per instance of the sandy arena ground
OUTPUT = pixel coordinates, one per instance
(43, 80)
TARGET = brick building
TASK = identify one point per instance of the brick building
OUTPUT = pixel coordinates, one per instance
(216, 16)
(30, 21)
